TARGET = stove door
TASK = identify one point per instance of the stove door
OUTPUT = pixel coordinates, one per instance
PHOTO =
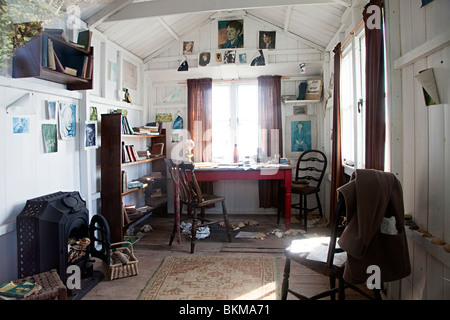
(100, 238)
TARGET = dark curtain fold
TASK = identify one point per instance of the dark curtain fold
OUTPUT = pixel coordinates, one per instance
(199, 107)
(375, 91)
(269, 111)
(337, 171)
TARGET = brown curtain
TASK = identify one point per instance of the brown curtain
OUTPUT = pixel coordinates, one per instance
(375, 91)
(269, 110)
(199, 122)
(199, 117)
(337, 171)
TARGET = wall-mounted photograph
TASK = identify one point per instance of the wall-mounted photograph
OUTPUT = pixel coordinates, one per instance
(300, 135)
(188, 46)
(230, 34)
(267, 39)
(90, 135)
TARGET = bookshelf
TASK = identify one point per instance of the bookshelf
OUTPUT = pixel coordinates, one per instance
(34, 59)
(112, 191)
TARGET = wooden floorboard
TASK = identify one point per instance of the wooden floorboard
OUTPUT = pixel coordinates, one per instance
(151, 250)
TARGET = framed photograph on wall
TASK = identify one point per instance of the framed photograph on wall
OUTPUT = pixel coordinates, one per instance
(267, 39)
(90, 135)
(301, 135)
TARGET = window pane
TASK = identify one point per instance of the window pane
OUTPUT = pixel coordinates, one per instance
(247, 113)
(222, 138)
(347, 110)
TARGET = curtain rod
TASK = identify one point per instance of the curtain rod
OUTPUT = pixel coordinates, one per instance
(352, 33)
(235, 80)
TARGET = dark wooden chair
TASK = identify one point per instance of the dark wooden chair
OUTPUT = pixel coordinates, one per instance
(309, 172)
(332, 265)
(190, 194)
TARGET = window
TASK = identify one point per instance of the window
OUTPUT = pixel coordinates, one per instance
(352, 101)
(234, 120)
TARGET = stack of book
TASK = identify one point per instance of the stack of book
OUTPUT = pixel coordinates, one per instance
(56, 58)
(129, 153)
(11, 290)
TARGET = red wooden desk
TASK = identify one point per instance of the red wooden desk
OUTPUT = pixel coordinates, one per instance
(282, 173)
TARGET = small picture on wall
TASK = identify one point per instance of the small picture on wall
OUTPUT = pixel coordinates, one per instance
(230, 34)
(51, 110)
(50, 136)
(21, 124)
(67, 120)
(229, 56)
(90, 136)
(204, 58)
(188, 46)
(267, 39)
(300, 134)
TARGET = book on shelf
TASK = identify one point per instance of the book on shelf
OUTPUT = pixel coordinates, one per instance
(157, 149)
(135, 184)
(84, 40)
(51, 55)
(22, 290)
(126, 128)
(70, 71)
(124, 181)
(154, 126)
(125, 157)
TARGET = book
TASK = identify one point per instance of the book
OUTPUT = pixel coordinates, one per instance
(23, 290)
(157, 149)
(58, 65)
(70, 71)
(51, 55)
(84, 39)
(135, 184)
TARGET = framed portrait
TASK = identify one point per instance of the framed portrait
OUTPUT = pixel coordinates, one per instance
(67, 120)
(230, 34)
(188, 47)
(90, 135)
(267, 39)
(301, 135)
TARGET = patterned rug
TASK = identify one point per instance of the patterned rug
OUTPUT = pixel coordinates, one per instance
(214, 278)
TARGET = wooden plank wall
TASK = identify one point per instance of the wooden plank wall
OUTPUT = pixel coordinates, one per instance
(426, 149)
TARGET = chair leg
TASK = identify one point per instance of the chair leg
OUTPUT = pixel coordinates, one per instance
(305, 213)
(285, 285)
(341, 293)
(319, 205)
(193, 229)
(225, 219)
(332, 286)
(175, 226)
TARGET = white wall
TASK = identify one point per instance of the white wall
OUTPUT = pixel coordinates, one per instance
(424, 163)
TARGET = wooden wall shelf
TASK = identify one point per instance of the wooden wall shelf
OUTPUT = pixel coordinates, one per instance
(31, 60)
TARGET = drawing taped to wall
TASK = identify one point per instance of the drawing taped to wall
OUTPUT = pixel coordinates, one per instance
(67, 120)
(300, 135)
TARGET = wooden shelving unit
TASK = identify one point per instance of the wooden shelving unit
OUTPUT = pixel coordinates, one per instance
(111, 173)
(30, 61)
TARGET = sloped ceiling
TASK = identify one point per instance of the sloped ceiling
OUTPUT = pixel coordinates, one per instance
(145, 27)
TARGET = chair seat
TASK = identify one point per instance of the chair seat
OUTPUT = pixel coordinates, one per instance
(304, 190)
(313, 253)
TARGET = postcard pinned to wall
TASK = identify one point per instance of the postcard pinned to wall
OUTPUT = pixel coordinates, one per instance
(428, 82)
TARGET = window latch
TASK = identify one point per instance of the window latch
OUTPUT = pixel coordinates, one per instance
(360, 105)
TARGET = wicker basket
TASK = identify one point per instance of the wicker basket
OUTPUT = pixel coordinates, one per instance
(118, 269)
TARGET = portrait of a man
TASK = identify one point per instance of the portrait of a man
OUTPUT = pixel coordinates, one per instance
(231, 34)
(267, 39)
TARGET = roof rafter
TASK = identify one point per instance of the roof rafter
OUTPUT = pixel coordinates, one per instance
(168, 7)
(106, 12)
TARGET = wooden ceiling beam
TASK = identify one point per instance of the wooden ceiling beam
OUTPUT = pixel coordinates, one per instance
(157, 8)
(106, 12)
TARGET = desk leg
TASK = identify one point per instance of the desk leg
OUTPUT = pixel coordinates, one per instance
(287, 198)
